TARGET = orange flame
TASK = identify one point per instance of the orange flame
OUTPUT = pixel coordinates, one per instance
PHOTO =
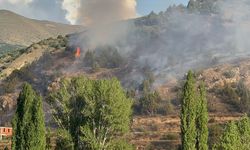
(78, 52)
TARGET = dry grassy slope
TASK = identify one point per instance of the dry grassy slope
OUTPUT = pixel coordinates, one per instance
(32, 54)
(16, 29)
(148, 130)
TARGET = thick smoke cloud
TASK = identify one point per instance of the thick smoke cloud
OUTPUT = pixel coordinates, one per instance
(178, 40)
(105, 11)
(92, 12)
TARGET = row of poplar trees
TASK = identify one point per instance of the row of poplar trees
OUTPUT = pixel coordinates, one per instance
(194, 121)
(194, 116)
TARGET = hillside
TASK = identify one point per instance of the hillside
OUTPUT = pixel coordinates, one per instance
(18, 30)
(154, 51)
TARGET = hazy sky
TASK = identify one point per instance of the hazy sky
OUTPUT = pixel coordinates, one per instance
(52, 9)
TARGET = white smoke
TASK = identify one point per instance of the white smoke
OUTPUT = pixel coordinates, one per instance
(176, 41)
(89, 12)
(71, 7)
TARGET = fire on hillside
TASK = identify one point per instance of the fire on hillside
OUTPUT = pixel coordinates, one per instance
(78, 52)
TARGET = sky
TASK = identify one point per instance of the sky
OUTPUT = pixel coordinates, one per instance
(52, 9)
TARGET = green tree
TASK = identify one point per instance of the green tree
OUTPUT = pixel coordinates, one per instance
(230, 139)
(28, 122)
(202, 120)
(244, 94)
(188, 114)
(244, 129)
(149, 102)
(95, 112)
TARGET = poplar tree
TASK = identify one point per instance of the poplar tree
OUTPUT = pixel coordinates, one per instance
(28, 122)
(188, 114)
(202, 120)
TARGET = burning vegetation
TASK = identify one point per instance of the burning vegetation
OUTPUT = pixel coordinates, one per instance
(78, 52)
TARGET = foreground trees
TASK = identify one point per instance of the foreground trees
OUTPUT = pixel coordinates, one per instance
(194, 116)
(28, 122)
(95, 113)
(236, 136)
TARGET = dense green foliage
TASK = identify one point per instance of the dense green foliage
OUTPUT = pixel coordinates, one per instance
(188, 114)
(202, 120)
(236, 136)
(230, 139)
(95, 113)
(28, 122)
(194, 116)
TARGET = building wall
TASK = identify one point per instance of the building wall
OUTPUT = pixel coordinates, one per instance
(5, 131)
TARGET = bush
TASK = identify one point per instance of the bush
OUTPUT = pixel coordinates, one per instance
(215, 131)
(170, 136)
(149, 103)
(63, 141)
(108, 57)
(230, 94)
(229, 74)
(10, 84)
(165, 109)
(238, 96)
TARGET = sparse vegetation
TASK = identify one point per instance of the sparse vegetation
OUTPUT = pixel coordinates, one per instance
(237, 95)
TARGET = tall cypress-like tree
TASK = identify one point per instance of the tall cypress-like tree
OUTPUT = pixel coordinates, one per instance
(28, 122)
(202, 120)
(39, 124)
(188, 114)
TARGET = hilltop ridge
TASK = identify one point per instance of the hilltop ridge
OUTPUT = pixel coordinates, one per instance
(19, 30)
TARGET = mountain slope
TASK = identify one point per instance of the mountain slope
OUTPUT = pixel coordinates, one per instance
(18, 30)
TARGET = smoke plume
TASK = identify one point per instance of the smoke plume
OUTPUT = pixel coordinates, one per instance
(94, 12)
(71, 7)
(175, 41)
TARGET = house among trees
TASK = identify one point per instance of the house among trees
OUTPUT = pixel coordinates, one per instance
(5, 132)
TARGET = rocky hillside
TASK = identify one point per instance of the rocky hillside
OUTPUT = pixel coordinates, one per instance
(18, 30)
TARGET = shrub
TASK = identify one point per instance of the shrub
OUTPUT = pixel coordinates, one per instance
(149, 103)
(170, 136)
(229, 74)
(215, 131)
(108, 57)
(63, 141)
